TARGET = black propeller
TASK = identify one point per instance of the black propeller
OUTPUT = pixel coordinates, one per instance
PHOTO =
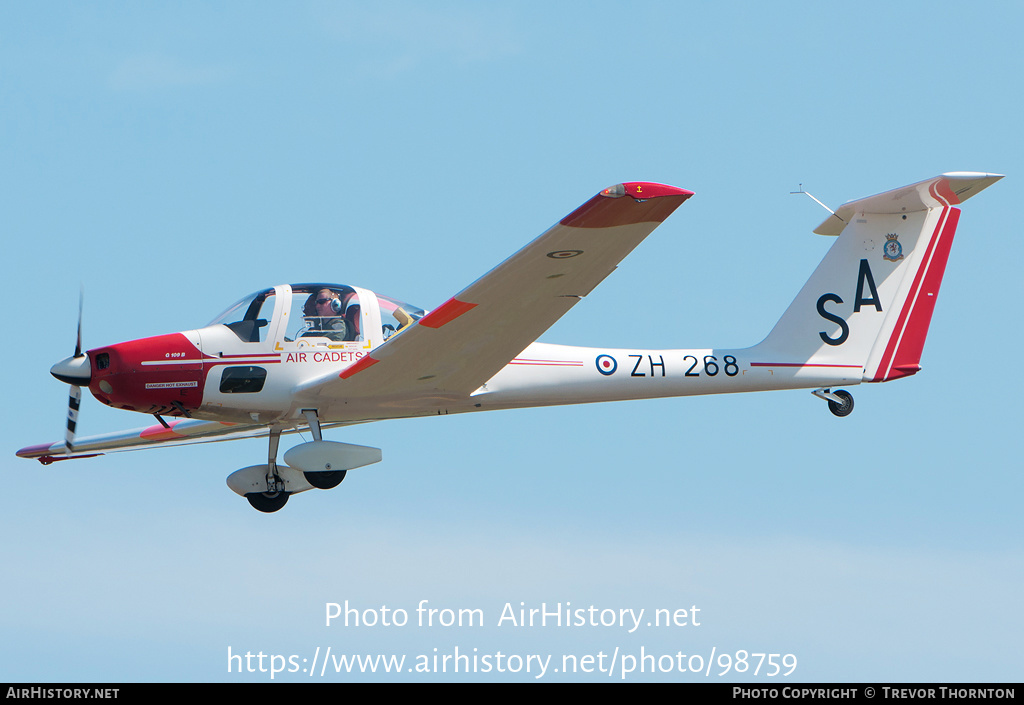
(75, 371)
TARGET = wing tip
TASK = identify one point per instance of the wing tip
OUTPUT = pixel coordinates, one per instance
(649, 202)
(35, 451)
(648, 189)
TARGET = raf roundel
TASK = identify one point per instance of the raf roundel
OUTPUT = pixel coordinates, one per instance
(564, 254)
(606, 365)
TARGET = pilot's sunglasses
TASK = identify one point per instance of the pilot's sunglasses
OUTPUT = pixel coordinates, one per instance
(324, 301)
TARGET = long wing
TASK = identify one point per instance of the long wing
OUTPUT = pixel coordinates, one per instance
(464, 342)
(181, 431)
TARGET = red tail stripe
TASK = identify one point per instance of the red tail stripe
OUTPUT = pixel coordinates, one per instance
(903, 352)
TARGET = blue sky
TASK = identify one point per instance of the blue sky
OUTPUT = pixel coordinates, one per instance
(172, 158)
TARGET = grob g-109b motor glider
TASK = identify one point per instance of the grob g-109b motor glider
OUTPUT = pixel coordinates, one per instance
(321, 355)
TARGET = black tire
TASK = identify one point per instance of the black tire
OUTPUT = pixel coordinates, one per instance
(325, 480)
(267, 502)
(845, 407)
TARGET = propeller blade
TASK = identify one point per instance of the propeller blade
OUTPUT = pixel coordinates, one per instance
(76, 369)
(74, 401)
(75, 395)
(78, 338)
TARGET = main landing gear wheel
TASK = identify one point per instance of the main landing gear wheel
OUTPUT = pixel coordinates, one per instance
(267, 501)
(844, 408)
(325, 480)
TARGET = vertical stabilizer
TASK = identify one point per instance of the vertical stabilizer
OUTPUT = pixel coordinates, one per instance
(870, 301)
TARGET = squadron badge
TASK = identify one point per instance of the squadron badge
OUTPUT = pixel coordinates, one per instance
(893, 248)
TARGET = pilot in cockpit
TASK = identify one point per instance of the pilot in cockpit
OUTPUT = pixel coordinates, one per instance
(325, 313)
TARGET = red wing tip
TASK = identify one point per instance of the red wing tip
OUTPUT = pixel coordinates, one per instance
(649, 189)
(649, 203)
(35, 451)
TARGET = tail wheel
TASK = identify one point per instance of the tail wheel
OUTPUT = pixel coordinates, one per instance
(841, 408)
(325, 480)
(267, 502)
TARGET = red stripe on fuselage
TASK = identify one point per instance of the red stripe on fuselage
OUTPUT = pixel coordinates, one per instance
(549, 363)
(274, 354)
(802, 364)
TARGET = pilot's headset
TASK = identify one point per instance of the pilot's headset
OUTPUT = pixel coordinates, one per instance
(309, 309)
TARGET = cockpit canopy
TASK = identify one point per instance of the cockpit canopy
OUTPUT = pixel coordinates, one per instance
(331, 313)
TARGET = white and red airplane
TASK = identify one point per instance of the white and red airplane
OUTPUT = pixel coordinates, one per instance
(323, 355)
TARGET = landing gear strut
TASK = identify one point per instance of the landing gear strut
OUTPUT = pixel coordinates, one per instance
(840, 402)
(318, 464)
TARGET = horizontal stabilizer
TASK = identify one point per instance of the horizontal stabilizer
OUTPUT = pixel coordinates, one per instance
(947, 190)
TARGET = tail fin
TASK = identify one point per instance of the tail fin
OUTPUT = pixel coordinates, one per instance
(869, 302)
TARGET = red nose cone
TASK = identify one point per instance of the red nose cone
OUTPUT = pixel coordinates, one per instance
(158, 375)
